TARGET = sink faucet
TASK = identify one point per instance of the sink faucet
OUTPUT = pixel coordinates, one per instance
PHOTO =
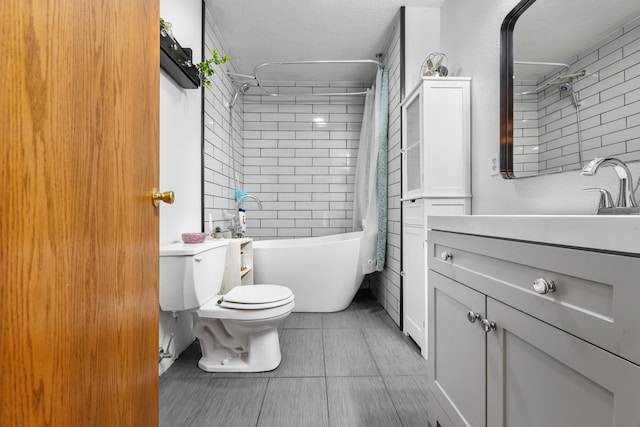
(626, 196)
(237, 222)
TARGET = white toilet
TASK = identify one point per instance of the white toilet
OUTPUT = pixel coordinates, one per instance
(237, 330)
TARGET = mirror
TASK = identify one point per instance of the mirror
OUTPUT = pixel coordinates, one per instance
(570, 85)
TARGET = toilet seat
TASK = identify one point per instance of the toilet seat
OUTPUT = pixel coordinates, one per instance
(260, 302)
(252, 297)
(214, 311)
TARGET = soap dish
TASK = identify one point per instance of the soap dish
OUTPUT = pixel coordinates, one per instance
(193, 237)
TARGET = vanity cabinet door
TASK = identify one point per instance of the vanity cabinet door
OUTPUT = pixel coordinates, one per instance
(414, 286)
(538, 375)
(457, 351)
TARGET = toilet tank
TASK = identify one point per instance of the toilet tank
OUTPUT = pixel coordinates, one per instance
(191, 274)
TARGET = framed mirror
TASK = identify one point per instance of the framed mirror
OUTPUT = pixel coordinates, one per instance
(570, 85)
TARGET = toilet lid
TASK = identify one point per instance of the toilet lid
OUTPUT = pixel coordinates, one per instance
(256, 296)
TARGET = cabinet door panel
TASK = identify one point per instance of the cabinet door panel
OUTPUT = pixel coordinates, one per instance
(457, 350)
(538, 375)
(414, 286)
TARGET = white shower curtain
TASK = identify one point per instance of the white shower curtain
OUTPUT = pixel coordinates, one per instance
(370, 191)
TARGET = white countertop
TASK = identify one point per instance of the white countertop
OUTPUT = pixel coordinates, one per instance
(602, 232)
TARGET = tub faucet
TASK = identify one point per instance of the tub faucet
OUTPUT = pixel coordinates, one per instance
(626, 196)
(237, 223)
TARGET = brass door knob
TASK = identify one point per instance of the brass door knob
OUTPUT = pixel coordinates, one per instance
(158, 197)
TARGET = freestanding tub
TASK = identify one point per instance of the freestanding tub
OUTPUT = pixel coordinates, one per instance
(323, 272)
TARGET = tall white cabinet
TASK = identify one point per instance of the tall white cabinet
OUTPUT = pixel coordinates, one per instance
(436, 169)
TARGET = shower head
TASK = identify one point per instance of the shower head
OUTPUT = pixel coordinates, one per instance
(243, 89)
(565, 87)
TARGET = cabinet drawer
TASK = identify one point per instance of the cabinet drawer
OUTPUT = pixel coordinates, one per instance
(413, 212)
(595, 293)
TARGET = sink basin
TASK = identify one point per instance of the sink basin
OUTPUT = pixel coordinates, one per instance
(618, 233)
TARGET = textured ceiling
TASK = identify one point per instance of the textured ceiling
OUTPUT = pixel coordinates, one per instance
(258, 31)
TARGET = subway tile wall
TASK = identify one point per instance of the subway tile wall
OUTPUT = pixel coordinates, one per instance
(303, 170)
(300, 156)
(223, 143)
(609, 98)
(386, 284)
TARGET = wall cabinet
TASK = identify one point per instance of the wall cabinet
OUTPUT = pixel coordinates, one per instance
(435, 181)
(505, 353)
(436, 137)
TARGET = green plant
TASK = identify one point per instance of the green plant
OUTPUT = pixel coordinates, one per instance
(163, 25)
(205, 67)
(217, 230)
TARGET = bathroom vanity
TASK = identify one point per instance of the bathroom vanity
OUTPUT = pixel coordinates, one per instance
(533, 320)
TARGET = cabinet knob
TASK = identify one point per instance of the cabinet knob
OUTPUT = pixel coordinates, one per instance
(445, 256)
(488, 325)
(542, 286)
(472, 317)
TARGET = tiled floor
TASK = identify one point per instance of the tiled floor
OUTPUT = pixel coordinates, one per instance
(351, 368)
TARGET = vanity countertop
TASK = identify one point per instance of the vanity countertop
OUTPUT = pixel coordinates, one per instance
(608, 233)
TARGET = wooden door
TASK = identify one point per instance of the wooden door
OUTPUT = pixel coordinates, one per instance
(457, 351)
(538, 375)
(79, 92)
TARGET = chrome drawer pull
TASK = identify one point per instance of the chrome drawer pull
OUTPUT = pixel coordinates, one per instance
(445, 256)
(543, 286)
(472, 317)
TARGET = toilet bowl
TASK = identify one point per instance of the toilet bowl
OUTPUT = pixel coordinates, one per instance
(237, 331)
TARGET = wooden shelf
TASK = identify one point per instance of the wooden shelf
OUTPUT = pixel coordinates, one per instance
(239, 252)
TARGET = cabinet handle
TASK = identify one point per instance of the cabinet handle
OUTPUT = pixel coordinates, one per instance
(472, 317)
(445, 256)
(542, 286)
(488, 325)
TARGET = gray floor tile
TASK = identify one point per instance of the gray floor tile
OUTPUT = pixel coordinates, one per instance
(370, 314)
(347, 354)
(409, 396)
(186, 366)
(302, 321)
(364, 314)
(394, 353)
(352, 348)
(346, 318)
(194, 402)
(302, 354)
(295, 402)
(361, 401)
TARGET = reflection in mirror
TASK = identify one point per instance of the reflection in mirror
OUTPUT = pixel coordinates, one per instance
(570, 85)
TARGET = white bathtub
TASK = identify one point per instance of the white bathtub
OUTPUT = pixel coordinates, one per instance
(323, 272)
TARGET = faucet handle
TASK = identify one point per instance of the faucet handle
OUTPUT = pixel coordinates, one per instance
(606, 201)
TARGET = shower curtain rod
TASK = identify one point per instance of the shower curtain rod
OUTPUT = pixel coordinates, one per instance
(256, 81)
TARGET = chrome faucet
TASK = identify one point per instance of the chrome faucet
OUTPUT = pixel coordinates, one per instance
(626, 197)
(236, 221)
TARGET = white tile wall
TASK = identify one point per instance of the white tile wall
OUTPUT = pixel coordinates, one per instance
(610, 103)
(302, 170)
(386, 284)
(223, 138)
(300, 154)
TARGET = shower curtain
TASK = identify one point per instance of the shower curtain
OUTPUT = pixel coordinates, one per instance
(370, 191)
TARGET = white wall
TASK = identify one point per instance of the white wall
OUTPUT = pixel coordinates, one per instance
(180, 154)
(470, 36)
(422, 37)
